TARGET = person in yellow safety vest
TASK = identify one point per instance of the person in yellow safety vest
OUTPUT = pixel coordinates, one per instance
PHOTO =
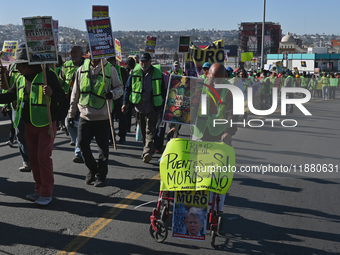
(30, 92)
(90, 92)
(20, 129)
(117, 104)
(333, 83)
(205, 130)
(289, 82)
(146, 90)
(325, 84)
(66, 79)
(304, 80)
(312, 86)
(130, 65)
(6, 108)
(176, 69)
(205, 70)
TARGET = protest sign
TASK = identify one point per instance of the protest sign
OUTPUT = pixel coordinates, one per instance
(296, 69)
(150, 44)
(182, 101)
(118, 50)
(246, 56)
(8, 52)
(316, 71)
(192, 165)
(213, 53)
(100, 11)
(184, 42)
(40, 42)
(100, 38)
(303, 64)
(190, 215)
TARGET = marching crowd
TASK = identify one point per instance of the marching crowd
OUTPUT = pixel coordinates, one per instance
(93, 90)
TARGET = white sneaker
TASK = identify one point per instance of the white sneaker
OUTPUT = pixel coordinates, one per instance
(43, 200)
(33, 197)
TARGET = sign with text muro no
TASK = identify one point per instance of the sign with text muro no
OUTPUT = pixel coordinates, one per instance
(100, 11)
(100, 38)
(184, 43)
(40, 42)
(192, 165)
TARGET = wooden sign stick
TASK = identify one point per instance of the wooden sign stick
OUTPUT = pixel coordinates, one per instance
(50, 131)
(108, 108)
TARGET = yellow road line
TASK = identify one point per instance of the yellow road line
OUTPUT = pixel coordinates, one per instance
(99, 224)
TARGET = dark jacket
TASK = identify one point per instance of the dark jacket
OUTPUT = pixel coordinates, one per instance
(58, 94)
(128, 90)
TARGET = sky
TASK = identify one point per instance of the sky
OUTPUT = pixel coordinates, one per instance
(294, 16)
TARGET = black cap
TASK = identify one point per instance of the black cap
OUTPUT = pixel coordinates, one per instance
(145, 57)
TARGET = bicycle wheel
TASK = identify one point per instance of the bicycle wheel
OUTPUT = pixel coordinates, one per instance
(162, 232)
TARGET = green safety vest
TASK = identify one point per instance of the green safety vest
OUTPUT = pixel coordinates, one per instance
(325, 81)
(178, 73)
(38, 111)
(333, 82)
(69, 70)
(14, 75)
(93, 95)
(118, 67)
(303, 81)
(137, 85)
(206, 121)
(288, 77)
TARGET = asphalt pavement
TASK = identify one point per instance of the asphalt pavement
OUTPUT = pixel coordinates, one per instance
(292, 212)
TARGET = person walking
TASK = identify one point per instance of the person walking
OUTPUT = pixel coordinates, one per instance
(27, 91)
(90, 92)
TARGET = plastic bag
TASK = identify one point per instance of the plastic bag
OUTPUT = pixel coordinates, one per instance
(138, 134)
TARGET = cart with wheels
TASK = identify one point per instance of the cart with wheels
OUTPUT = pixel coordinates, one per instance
(178, 160)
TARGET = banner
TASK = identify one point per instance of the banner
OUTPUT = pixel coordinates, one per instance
(191, 166)
(40, 42)
(100, 38)
(182, 100)
(118, 50)
(150, 44)
(246, 56)
(184, 42)
(190, 215)
(213, 53)
(8, 52)
(100, 11)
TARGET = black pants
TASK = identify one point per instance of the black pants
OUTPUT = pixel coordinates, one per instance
(160, 132)
(100, 131)
(121, 117)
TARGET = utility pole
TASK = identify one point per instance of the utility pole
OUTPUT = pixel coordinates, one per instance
(263, 28)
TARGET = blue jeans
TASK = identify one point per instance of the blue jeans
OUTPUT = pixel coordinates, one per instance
(324, 93)
(20, 132)
(74, 133)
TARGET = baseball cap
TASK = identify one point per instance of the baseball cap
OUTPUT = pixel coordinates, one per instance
(206, 64)
(176, 63)
(145, 57)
